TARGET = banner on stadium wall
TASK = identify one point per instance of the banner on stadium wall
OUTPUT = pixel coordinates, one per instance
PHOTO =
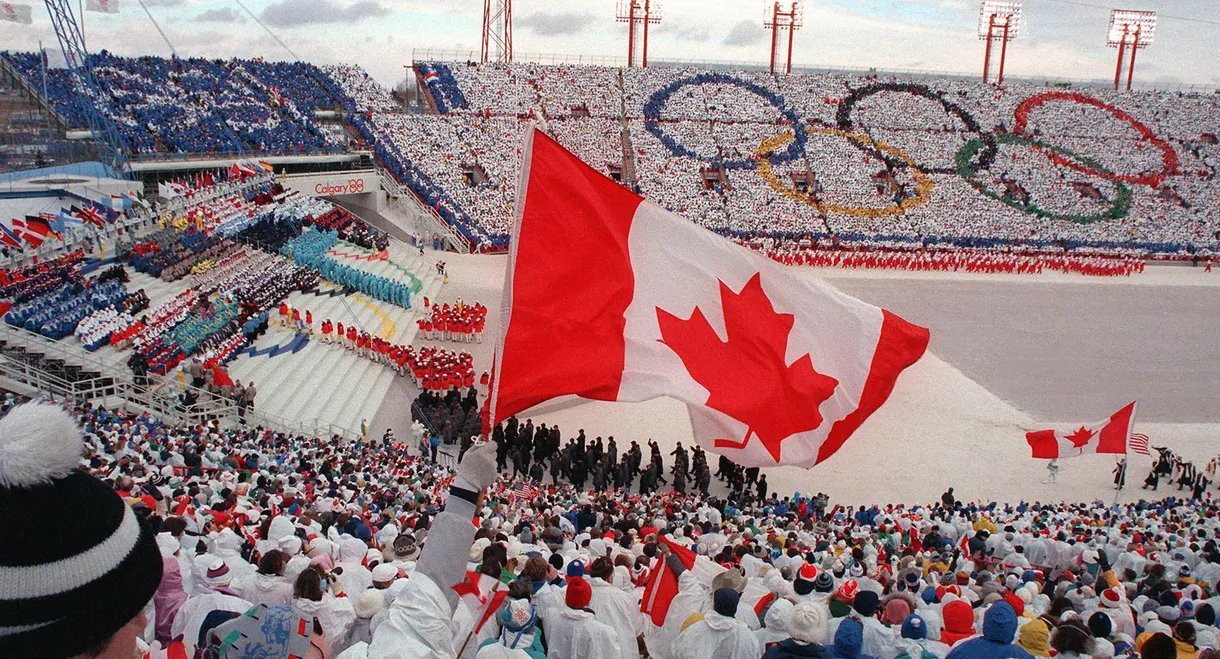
(16, 13)
(337, 185)
(104, 6)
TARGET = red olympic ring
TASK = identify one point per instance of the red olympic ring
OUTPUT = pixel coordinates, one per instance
(1169, 157)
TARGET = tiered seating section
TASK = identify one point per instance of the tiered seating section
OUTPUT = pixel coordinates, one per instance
(200, 105)
(860, 161)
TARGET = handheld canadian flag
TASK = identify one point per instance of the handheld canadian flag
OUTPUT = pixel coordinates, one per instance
(662, 585)
(610, 297)
(1109, 436)
(482, 595)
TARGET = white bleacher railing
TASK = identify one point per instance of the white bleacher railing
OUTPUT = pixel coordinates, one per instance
(433, 219)
(158, 394)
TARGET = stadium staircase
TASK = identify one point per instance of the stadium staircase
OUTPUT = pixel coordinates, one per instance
(323, 382)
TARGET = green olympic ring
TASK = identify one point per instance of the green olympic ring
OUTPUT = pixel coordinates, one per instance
(965, 167)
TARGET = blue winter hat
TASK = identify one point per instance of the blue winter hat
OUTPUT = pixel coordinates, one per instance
(724, 602)
(576, 569)
(914, 628)
(1028, 576)
(929, 595)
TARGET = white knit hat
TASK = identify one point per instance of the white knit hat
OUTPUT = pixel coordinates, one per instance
(808, 622)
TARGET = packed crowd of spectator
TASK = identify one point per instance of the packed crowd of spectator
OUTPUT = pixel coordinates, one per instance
(876, 159)
(973, 261)
(367, 550)
(366, 94)
(198, 105)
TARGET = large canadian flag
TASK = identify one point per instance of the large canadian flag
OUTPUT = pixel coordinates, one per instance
(1109, 436)
(613, 298)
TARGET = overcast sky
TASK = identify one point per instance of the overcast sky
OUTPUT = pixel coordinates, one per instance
(1063, 38)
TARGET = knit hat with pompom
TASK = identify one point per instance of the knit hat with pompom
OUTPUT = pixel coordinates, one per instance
(76, 565)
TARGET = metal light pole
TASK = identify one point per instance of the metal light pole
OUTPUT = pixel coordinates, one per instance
(1002, 20)
(1130, 30)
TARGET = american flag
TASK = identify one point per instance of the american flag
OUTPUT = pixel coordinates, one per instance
(1139, 443)
(525, 490)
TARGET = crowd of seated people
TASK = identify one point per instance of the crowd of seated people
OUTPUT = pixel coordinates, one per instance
(873, 155)
(57, 313)
(198, 105)
(366, 94)
(373, 543)
(169, 255)
(26, 283)
(350, 228)
(94, 330)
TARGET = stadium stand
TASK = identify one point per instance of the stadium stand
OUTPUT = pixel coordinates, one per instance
(787, 162)
(198, 105)
(861, 161)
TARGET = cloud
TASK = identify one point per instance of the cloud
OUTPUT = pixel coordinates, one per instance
(698, 31)
(745, 33)
(224, 15)
(165, 3)
(552, 24)
(290, 13)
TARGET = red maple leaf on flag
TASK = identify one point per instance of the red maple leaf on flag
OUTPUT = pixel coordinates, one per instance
(747, 375)
(1080, 437)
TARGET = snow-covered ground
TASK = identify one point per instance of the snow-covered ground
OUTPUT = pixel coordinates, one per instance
(941, 428)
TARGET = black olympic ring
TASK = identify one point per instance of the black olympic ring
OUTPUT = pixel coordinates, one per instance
(843, 117)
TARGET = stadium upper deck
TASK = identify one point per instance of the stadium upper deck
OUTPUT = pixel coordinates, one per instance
(813, 158)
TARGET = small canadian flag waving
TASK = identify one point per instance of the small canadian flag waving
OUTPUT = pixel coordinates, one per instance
(610, 297)
(1108, 436)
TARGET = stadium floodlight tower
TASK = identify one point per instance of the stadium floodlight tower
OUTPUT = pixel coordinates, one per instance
(999, 20)
(638, 15)
(1129, 29)
(778, 19)
(497, 31)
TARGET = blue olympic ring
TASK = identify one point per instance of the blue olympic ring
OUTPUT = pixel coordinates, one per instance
(652, 115)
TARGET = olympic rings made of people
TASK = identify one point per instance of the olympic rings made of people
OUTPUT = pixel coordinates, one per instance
(1169, 157)
(923, 182)
(1118, 209)
(654, 123)
(844, 120)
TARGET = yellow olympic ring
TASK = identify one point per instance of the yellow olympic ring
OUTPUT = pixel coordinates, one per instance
(923, 182)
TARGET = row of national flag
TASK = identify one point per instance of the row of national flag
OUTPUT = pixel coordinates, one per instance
(23, 14)
(186, 186)
(33, 230)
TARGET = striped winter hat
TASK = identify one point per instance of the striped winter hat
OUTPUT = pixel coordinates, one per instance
(75, 563)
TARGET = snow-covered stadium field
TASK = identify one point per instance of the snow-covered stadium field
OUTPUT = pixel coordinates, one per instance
(1008, 354)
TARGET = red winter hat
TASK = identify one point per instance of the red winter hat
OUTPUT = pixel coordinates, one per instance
(808, 572)
(578, 593)
(848, 590)
(1111, 598)
(1015, 602)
